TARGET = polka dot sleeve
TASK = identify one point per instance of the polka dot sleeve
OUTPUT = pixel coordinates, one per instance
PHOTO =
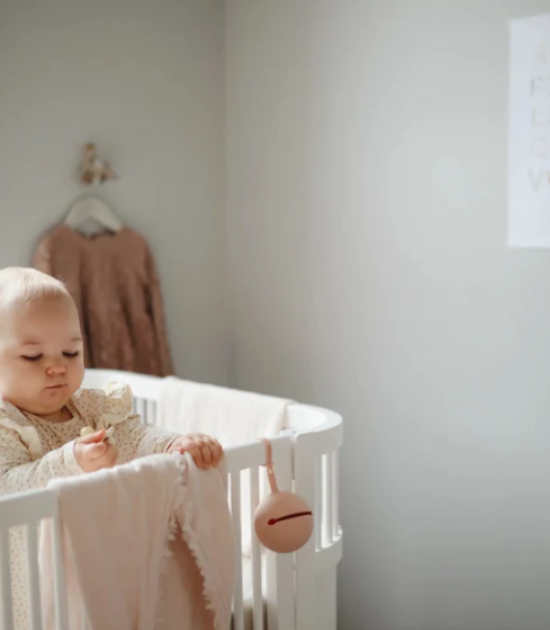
(18, 473)
(132, 438)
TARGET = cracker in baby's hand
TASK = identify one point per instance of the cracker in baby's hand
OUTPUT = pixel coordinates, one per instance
(89, 430)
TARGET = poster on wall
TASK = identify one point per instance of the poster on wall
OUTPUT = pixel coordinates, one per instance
(529, 134)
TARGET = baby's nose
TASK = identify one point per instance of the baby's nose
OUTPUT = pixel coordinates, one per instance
(57, 369)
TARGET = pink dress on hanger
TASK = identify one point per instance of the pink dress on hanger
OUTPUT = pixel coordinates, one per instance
(113, 280)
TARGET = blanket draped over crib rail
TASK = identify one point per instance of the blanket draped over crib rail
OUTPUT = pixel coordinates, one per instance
(147, 545)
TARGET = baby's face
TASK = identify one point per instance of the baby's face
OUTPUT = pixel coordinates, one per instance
(41, 362)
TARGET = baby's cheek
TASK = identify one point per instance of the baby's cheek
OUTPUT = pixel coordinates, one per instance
(13, 372)
(20, 381)
(75, 380)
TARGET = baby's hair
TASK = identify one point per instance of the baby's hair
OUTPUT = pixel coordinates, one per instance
(28, 285)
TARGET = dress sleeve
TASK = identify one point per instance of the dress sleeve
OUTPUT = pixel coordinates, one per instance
(156, 313)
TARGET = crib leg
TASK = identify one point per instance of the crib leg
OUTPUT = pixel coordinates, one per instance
(305, 469)
(281, 594)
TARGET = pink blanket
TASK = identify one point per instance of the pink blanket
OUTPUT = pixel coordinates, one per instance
(148, 546)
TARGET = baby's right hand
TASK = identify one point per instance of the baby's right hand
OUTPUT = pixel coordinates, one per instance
(93, 454)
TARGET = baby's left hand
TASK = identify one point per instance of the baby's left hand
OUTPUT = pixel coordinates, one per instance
(205, 451)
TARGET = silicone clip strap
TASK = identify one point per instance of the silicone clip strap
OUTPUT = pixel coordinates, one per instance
(268, 460)
(269, 465)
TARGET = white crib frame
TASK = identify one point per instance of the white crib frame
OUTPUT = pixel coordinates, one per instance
(300, 591)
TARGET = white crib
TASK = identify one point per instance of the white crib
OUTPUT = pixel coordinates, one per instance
(273, 592)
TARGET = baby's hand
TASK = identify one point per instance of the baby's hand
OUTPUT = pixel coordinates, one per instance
(92, 453)
(205, 451)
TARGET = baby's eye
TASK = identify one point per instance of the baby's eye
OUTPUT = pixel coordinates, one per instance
(71, 355)
(35, 357)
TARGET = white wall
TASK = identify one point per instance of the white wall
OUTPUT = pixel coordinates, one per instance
(368, 273)
(145, 81)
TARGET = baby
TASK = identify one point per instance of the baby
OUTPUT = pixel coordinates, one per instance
(43, 410)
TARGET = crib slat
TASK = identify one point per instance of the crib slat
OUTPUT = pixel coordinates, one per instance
(6, 616)
(335, 494)
(148, 411)
(33, 575)
(318, 509)
(257, 609)
(280, 567)
(139, 405)
(151, 413)
(238, 609)
(327, 499)
(59, 576)
(305, 557)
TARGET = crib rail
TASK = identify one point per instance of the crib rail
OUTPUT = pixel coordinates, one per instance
(283, 586)
(272, 601)
(282, 594)
(28, 510)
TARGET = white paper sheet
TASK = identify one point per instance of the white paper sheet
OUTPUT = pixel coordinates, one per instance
(529, 134)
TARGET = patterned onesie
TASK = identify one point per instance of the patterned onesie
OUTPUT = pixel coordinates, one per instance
(33, 451)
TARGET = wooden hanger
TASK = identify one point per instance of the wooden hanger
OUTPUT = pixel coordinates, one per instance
(95, 208)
